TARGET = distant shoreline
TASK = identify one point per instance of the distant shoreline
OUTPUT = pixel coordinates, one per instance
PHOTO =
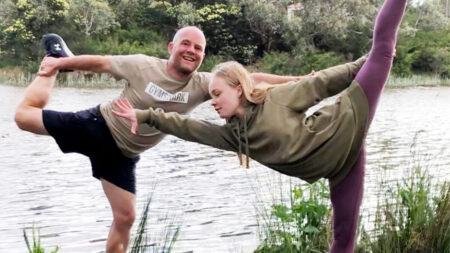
(16, 77)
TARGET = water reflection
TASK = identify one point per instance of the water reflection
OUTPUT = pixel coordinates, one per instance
(199, 186)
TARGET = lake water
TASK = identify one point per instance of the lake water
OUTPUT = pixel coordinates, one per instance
(201, 188)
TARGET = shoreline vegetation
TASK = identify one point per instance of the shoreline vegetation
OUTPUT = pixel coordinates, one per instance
(412, 213)
(15, 76)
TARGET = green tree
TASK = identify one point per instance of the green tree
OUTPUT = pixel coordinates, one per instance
(227, 33)
(267, 20)
(430, 16)
(26, 22)
(329, 25)
(92, 16)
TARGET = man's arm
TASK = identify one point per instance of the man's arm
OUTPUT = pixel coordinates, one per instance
(95, 63)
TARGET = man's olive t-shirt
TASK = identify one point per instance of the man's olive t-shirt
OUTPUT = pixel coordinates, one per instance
(149, 85)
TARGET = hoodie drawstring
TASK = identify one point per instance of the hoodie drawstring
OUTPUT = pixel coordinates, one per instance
(239, 141)
(247, 159)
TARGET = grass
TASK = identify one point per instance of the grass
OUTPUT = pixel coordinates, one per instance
(14, 76)
(412, 215)
(36, 247)
(417, 80)
(143, 240)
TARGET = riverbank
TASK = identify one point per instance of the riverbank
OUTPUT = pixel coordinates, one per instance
(16, 77)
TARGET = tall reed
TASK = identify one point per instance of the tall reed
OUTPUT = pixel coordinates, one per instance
(36, 247)
(17, 77)
(143, 242)
(417, 80)
(411, 216)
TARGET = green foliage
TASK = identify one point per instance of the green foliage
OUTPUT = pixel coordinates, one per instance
(24, 24)
(92, 16)
(211, 61)
(268, 22)
(132, 41)
(242, 30)
(227, 33)
(302, 225)
(423, 52)
(286, 64)
(36, 247)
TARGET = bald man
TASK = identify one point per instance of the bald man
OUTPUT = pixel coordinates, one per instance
(173, 84)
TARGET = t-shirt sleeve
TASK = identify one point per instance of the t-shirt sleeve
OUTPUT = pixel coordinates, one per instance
(188, 129)
(127, 66)
(301, 95)
(203, 81)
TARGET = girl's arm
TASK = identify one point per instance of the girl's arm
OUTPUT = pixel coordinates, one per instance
(181, 126)
(275, 79)
(309, 91)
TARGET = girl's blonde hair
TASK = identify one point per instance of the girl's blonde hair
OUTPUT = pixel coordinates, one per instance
(235, 74)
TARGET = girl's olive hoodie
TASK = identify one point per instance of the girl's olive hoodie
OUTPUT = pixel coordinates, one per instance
(279, 134)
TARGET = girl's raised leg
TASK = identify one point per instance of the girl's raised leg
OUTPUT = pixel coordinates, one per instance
(375, 72)
(347, 195)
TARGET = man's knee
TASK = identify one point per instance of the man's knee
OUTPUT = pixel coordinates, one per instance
(125, 218)
(20, 117)
(30, 119)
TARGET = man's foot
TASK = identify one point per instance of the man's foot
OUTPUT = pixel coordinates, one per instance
(55, 46)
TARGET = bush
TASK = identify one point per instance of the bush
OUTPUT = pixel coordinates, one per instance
(425, 52)
(302, 225)
(128, 42)
(286, 64)
(210, 62)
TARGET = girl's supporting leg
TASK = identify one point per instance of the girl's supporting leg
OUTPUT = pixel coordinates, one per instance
(346, 199)
(374, 73)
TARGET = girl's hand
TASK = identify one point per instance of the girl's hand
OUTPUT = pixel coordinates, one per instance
(127, 112)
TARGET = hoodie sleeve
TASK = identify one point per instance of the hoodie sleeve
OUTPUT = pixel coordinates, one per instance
(309, 91)
(183, 127)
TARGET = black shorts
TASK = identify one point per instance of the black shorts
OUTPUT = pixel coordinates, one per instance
(86, 132)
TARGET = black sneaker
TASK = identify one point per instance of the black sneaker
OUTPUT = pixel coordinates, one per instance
(55, 46)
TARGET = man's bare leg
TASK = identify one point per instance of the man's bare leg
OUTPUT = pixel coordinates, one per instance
(123, 207)
(28, 115)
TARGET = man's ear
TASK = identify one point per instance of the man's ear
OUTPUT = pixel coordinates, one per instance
(170, 47)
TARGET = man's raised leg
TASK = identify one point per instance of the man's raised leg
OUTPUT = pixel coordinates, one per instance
(28, 115)
(123, 207)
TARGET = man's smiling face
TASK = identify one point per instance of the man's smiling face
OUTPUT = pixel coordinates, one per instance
(187, 50)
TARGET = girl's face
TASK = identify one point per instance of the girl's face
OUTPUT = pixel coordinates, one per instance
(225, 99)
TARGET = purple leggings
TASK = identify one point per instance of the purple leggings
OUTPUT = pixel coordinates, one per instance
(347, 195)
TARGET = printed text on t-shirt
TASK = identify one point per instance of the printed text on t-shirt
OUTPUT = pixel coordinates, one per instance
(160, 94)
